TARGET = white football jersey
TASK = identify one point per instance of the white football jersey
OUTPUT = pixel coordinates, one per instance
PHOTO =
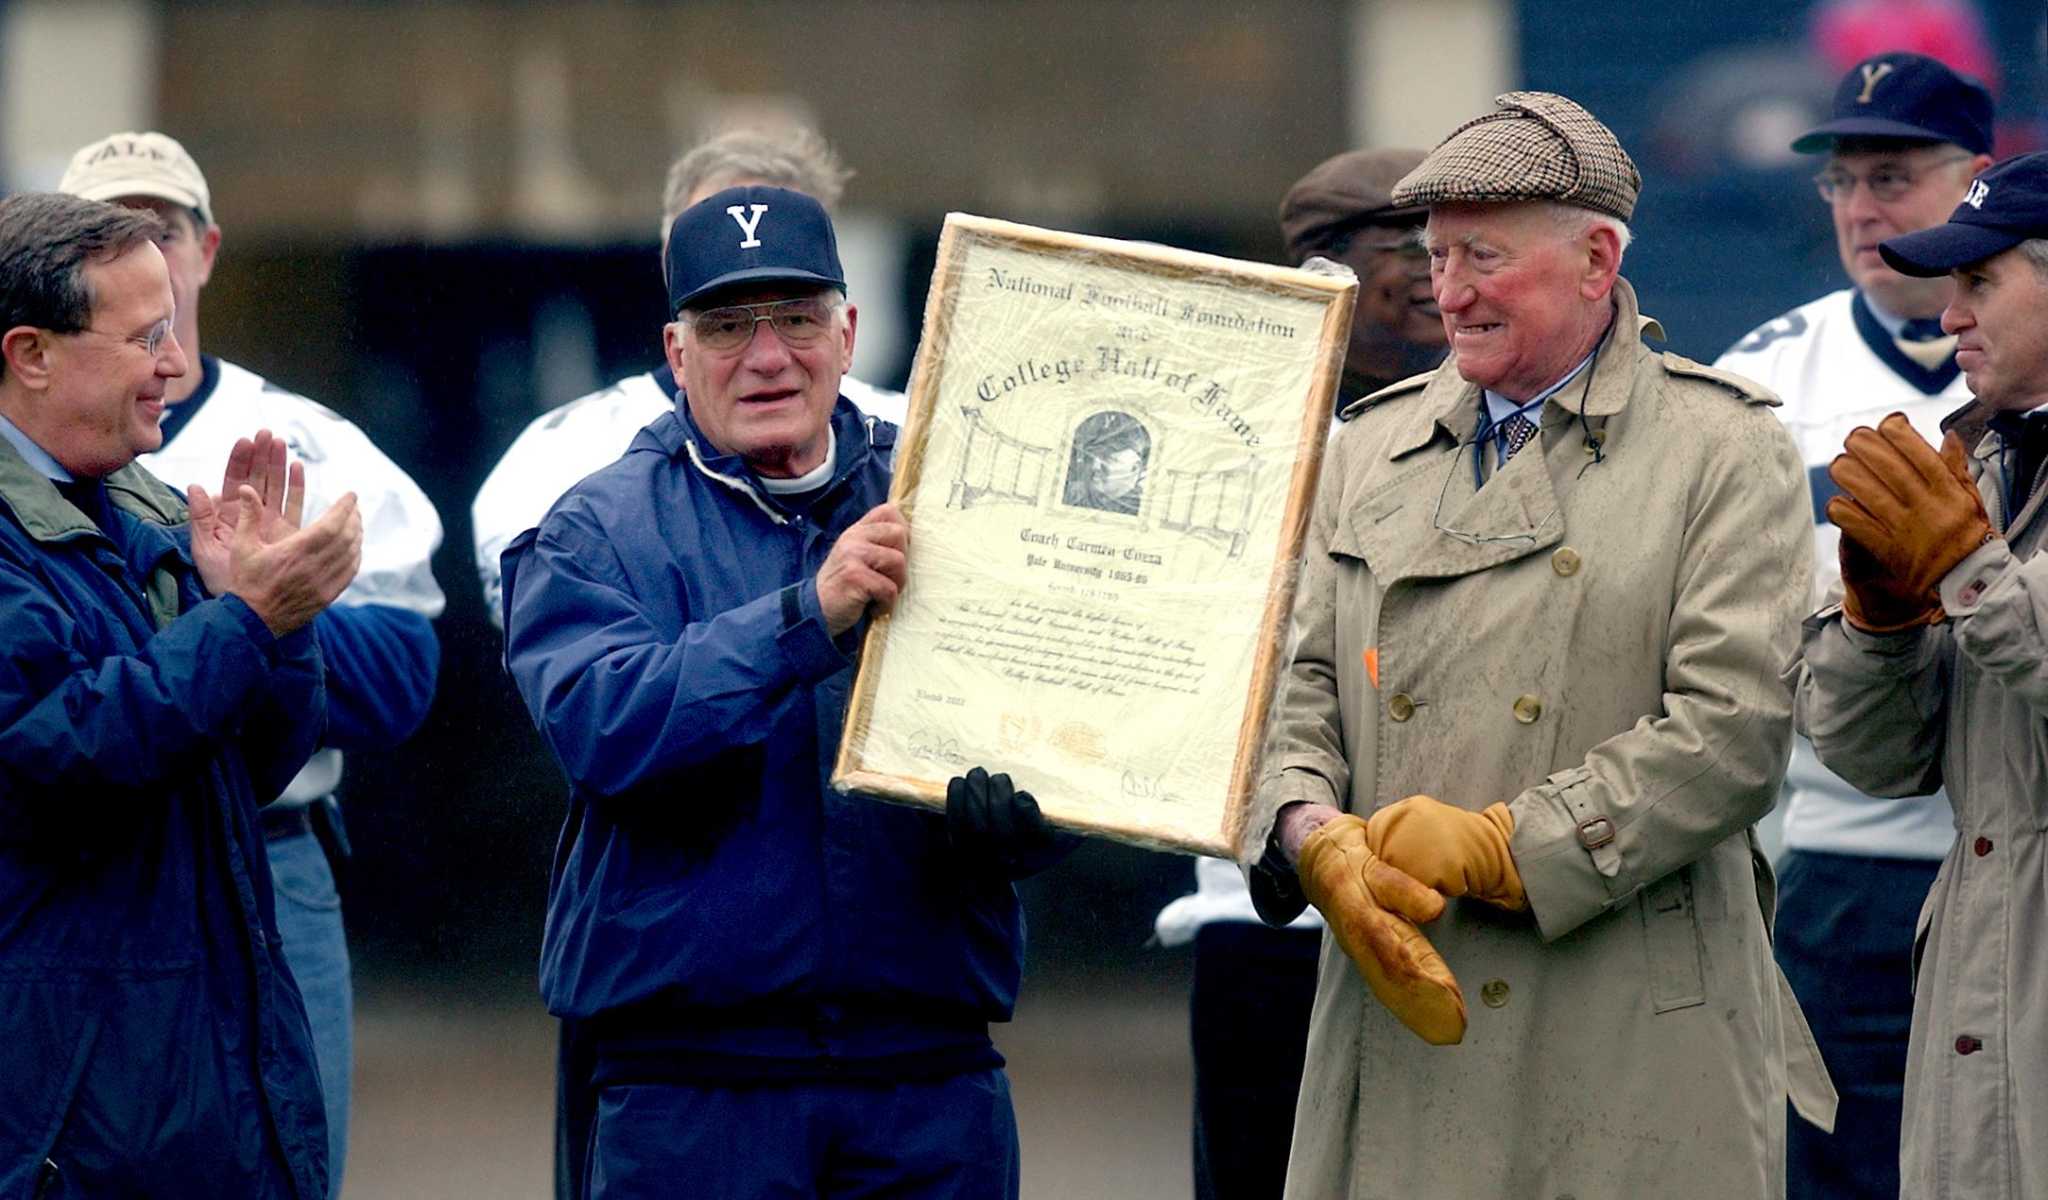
(401, 529)
(1836, 367)
(560, 447)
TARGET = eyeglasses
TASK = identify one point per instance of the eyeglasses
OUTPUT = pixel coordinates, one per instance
(1469, 538)
(1887, 183)
(798, 322)
(151, 343)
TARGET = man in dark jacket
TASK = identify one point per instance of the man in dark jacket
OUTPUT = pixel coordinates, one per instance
(787, 990)
(156, 678)
(1344, 210)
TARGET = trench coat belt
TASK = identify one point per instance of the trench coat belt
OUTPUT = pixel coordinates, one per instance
(1806, 1077)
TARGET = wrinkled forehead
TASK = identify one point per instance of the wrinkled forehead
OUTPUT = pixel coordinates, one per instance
(764, 293)
(2012, 261)
(1465, 223)
(1862, 154)
(181, 219)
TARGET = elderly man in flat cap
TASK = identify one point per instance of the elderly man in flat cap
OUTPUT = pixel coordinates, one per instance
(1249, 1007)
(1533, 713)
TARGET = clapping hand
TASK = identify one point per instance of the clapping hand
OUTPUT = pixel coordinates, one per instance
(247, 541)
(1916, 513)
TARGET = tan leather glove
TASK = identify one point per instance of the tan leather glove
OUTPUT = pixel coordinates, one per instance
(1916, 511)
(1373, 911)
(1458, 853)
(1873, 602)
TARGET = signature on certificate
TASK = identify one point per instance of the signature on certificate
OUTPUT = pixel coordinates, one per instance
(933, 746)
(1138, 786)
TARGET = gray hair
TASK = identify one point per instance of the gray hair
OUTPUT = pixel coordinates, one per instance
(46, 241)
(2035, 251)
(797, 159)
(1575, 222)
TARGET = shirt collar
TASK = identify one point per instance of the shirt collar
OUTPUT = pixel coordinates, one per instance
(35, 455)
(1896, 325)
(2009, 422)
(1499, 408)
(1891, 322)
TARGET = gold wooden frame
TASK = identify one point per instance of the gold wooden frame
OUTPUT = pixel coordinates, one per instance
(1147, 264)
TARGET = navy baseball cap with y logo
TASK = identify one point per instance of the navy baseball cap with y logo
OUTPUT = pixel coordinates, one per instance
(2003, 207)
(748, 235)
(1909, 97)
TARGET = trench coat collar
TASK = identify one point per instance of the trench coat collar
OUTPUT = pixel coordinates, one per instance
(1972, 423)
(1450, 404)
(1458, 528)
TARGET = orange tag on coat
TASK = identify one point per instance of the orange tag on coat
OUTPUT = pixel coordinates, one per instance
(1372, 665)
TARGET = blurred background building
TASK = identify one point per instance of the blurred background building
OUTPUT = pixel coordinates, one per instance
(442, 222)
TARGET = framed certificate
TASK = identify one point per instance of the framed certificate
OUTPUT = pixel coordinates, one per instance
(1107, 468)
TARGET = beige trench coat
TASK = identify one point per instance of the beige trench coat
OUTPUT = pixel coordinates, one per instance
(1598, 642)
(1976, 1115)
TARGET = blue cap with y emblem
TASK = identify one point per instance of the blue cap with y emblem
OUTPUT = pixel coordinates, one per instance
(2003, 207)
(1910, 97)
(750, 235)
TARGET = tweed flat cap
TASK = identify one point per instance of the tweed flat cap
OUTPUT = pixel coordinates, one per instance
(1355, 188)
(1533, 146)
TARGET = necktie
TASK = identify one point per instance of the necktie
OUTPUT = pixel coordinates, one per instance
(1515, 433)
(1922, 340)
(88, 496)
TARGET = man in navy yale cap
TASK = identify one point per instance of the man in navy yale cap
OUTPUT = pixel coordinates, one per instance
(788, 990)
(1934, 672)
(1905, 136)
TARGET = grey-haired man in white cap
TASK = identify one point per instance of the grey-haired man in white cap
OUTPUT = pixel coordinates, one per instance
(1535, 710)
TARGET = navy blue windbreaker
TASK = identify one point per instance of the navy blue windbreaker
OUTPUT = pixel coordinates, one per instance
(152, 1041)
(663, 627)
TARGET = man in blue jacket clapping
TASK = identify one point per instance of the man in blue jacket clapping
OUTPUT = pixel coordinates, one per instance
(787, 990)
(159, 678)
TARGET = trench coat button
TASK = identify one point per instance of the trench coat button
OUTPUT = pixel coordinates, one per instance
(1495, 993)
(1528, 708)
(1968, 1045)
(1982, 846)
(1400, 706)
(1565, 561)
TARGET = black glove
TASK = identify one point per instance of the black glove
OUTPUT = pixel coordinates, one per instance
(989, 819)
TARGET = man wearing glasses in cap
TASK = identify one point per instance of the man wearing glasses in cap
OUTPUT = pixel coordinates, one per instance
(1906, 135)
(564, 444)
(1534, 711)
(1933, 671)
(561, 446)
(784, 990)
